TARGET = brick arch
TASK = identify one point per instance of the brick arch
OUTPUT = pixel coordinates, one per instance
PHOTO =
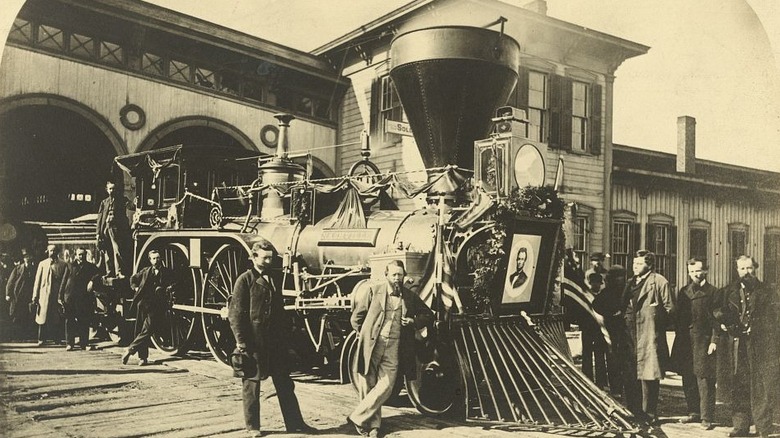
(43, 99)
(195, 121)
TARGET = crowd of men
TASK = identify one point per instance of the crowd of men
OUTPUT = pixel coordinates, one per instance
(726, 339)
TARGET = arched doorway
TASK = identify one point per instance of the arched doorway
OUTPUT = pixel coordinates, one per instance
(54, 160)
(197, 131)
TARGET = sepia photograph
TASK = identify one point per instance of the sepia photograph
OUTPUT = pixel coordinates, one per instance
(390, 218)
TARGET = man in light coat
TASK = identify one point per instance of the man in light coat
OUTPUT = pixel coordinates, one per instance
(648, 307)
(48, 280)
(386, 317)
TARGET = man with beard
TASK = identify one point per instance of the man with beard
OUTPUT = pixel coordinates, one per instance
(385, 315)
(77, 299)
(750, 312)
(648, 306)
(48, 280)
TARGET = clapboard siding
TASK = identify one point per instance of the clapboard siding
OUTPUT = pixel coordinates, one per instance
(688, 208)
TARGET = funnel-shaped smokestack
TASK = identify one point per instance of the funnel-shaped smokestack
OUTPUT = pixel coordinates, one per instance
(450, 81)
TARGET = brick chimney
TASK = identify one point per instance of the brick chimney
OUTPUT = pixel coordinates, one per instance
(686, 144)
(538, 6)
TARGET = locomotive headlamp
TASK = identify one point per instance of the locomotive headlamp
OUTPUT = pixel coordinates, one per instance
(529, 166)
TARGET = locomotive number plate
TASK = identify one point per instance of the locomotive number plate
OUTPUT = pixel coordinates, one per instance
(349, 237)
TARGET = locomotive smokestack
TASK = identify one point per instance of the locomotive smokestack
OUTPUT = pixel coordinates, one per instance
(282, 146)
(450, 81)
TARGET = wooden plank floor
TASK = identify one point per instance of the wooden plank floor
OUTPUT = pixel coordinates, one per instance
(48, 392)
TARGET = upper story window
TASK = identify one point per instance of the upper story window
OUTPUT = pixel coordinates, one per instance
(582, 238)
(51, 37)
(82, 45)
(579, 116)
(537, 106)
(21, 31)
(389, 109)
(111, 53)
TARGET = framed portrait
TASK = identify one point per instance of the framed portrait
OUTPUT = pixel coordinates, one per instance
(527, 273)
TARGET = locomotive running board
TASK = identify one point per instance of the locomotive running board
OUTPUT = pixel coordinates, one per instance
(515, 378)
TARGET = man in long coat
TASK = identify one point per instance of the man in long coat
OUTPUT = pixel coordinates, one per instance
(77, 299)
(19, 293)
(262, 330)
(750, 311)
(153, 286)
(648, 305)
(695, 343)
(48, 280)
(386, 316)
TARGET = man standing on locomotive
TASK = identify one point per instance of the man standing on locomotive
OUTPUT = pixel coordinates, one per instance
(262, 328)
(153, 287)
(385, 316)
(113, 231)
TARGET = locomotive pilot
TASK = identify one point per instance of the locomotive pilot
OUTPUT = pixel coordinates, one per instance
(261, 327)
(386, 316)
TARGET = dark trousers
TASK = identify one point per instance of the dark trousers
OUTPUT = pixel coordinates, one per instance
(145, 324)
(285, 392)
(614, 373)
(764, 380)
(77, 327)
(51, 330)
(594, 355)
(691, 391)
(707, 394)
(650, 390)
(741, 417)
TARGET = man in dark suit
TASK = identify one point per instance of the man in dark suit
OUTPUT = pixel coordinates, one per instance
(386, 316)
(262, 330)
(113, 231)
(519, 277)
(77, 299)
(153, 287)
(19, 293)
(750, 312)
(693, 352)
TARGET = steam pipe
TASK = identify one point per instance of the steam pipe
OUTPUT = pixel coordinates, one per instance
(282, 147)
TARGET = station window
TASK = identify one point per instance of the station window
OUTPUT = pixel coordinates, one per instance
(180, 71)
(771, 262)
(581, 239)
(152, 64)
(579, 116)
(204, 77)
(737, 246)
(662, 241)
(21, 31)
(51, 37)
(389, 109)
(111, 53)
(622, 235)
(699, 239)
(537, 106)
(82, 45)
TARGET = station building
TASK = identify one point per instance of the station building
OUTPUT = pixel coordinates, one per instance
(82, 82)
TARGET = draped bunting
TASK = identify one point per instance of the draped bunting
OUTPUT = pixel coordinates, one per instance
(350, 212)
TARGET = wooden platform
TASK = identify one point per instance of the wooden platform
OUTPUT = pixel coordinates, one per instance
(49, 392)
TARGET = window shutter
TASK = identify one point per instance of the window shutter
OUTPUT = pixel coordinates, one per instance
(376, 96)
(595, 119)
(566, 113)
(555, 111)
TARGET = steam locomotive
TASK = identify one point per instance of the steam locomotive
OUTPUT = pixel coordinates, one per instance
(507, 363)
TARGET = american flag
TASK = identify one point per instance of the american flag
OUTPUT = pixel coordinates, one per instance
(576, 300)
